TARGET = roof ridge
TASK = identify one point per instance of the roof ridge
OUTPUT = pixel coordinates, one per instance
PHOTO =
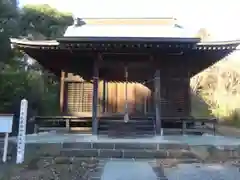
(124, 18)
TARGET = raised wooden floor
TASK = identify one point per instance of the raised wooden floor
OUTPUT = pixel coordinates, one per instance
(115, 125)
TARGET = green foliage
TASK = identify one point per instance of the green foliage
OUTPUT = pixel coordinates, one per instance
(43, 19)
(8, 27)
(18, 78)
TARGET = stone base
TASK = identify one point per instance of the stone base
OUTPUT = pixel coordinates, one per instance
(192, 147)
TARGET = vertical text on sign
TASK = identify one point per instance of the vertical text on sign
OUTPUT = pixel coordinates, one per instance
(22, 131)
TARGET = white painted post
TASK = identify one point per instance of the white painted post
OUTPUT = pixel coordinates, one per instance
(22, 131)
(4, 158)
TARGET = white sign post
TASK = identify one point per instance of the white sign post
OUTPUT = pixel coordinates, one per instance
(22, 131)
(5, 127)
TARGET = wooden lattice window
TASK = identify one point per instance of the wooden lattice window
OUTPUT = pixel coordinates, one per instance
(79, 97)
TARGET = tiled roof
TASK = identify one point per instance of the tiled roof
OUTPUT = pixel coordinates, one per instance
(148, 27)
(126, 31)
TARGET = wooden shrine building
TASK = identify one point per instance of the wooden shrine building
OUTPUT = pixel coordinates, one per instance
(159, 55)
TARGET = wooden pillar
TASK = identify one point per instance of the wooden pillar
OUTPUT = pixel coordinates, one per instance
(61, 95)
(150, 103)
(158, 102)
(104, 97)
(189, 98)
(145, 101)
(106, 104)
(95, 99)
(116, 97)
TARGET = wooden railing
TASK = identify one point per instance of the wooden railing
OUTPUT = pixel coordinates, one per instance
(72, 123)
(191, 125)
(62, 123)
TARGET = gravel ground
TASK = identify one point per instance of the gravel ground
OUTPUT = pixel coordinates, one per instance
(50, 168)
(215, 171)
(71, 168)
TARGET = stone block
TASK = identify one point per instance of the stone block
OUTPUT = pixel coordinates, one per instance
(201, 151)
(181, 154)
(173, 146)
(107, 153)
(223, 153)
(80, 153)
(43, 149)
(103, 145)
(62, 160)
(140, 146)
(77, 145)
(144, 154)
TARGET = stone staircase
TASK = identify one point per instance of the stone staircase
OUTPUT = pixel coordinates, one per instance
(135, 127)
(127, 150)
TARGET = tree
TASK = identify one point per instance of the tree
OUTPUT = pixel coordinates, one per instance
(42, 21)
(8, 27)
(34, 83)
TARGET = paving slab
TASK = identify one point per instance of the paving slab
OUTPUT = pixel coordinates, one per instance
(191, 140)
(202, 171)
(128, 170)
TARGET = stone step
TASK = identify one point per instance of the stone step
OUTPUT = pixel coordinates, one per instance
(129, 153)
(120, 117)
(125, 125)
(172, 131)
(130, 122)
(132, 126)
(125, 145)
(136, 127)
(145, 122)
(118, 128)
(127, 134)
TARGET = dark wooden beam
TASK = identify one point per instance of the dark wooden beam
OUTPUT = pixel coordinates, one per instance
(95, 98)
(131, 64)
(61, 97)
(133, 75)
(104, 97)
(189, 102)
(158, 102)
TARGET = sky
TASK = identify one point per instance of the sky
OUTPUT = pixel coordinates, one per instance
(220, 17)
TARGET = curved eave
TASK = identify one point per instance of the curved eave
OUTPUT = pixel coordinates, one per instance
(51, 44)
(127, 45)
(56, 56)
(219, 45)
(237, 42)
(93, 39)
(37, 50)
